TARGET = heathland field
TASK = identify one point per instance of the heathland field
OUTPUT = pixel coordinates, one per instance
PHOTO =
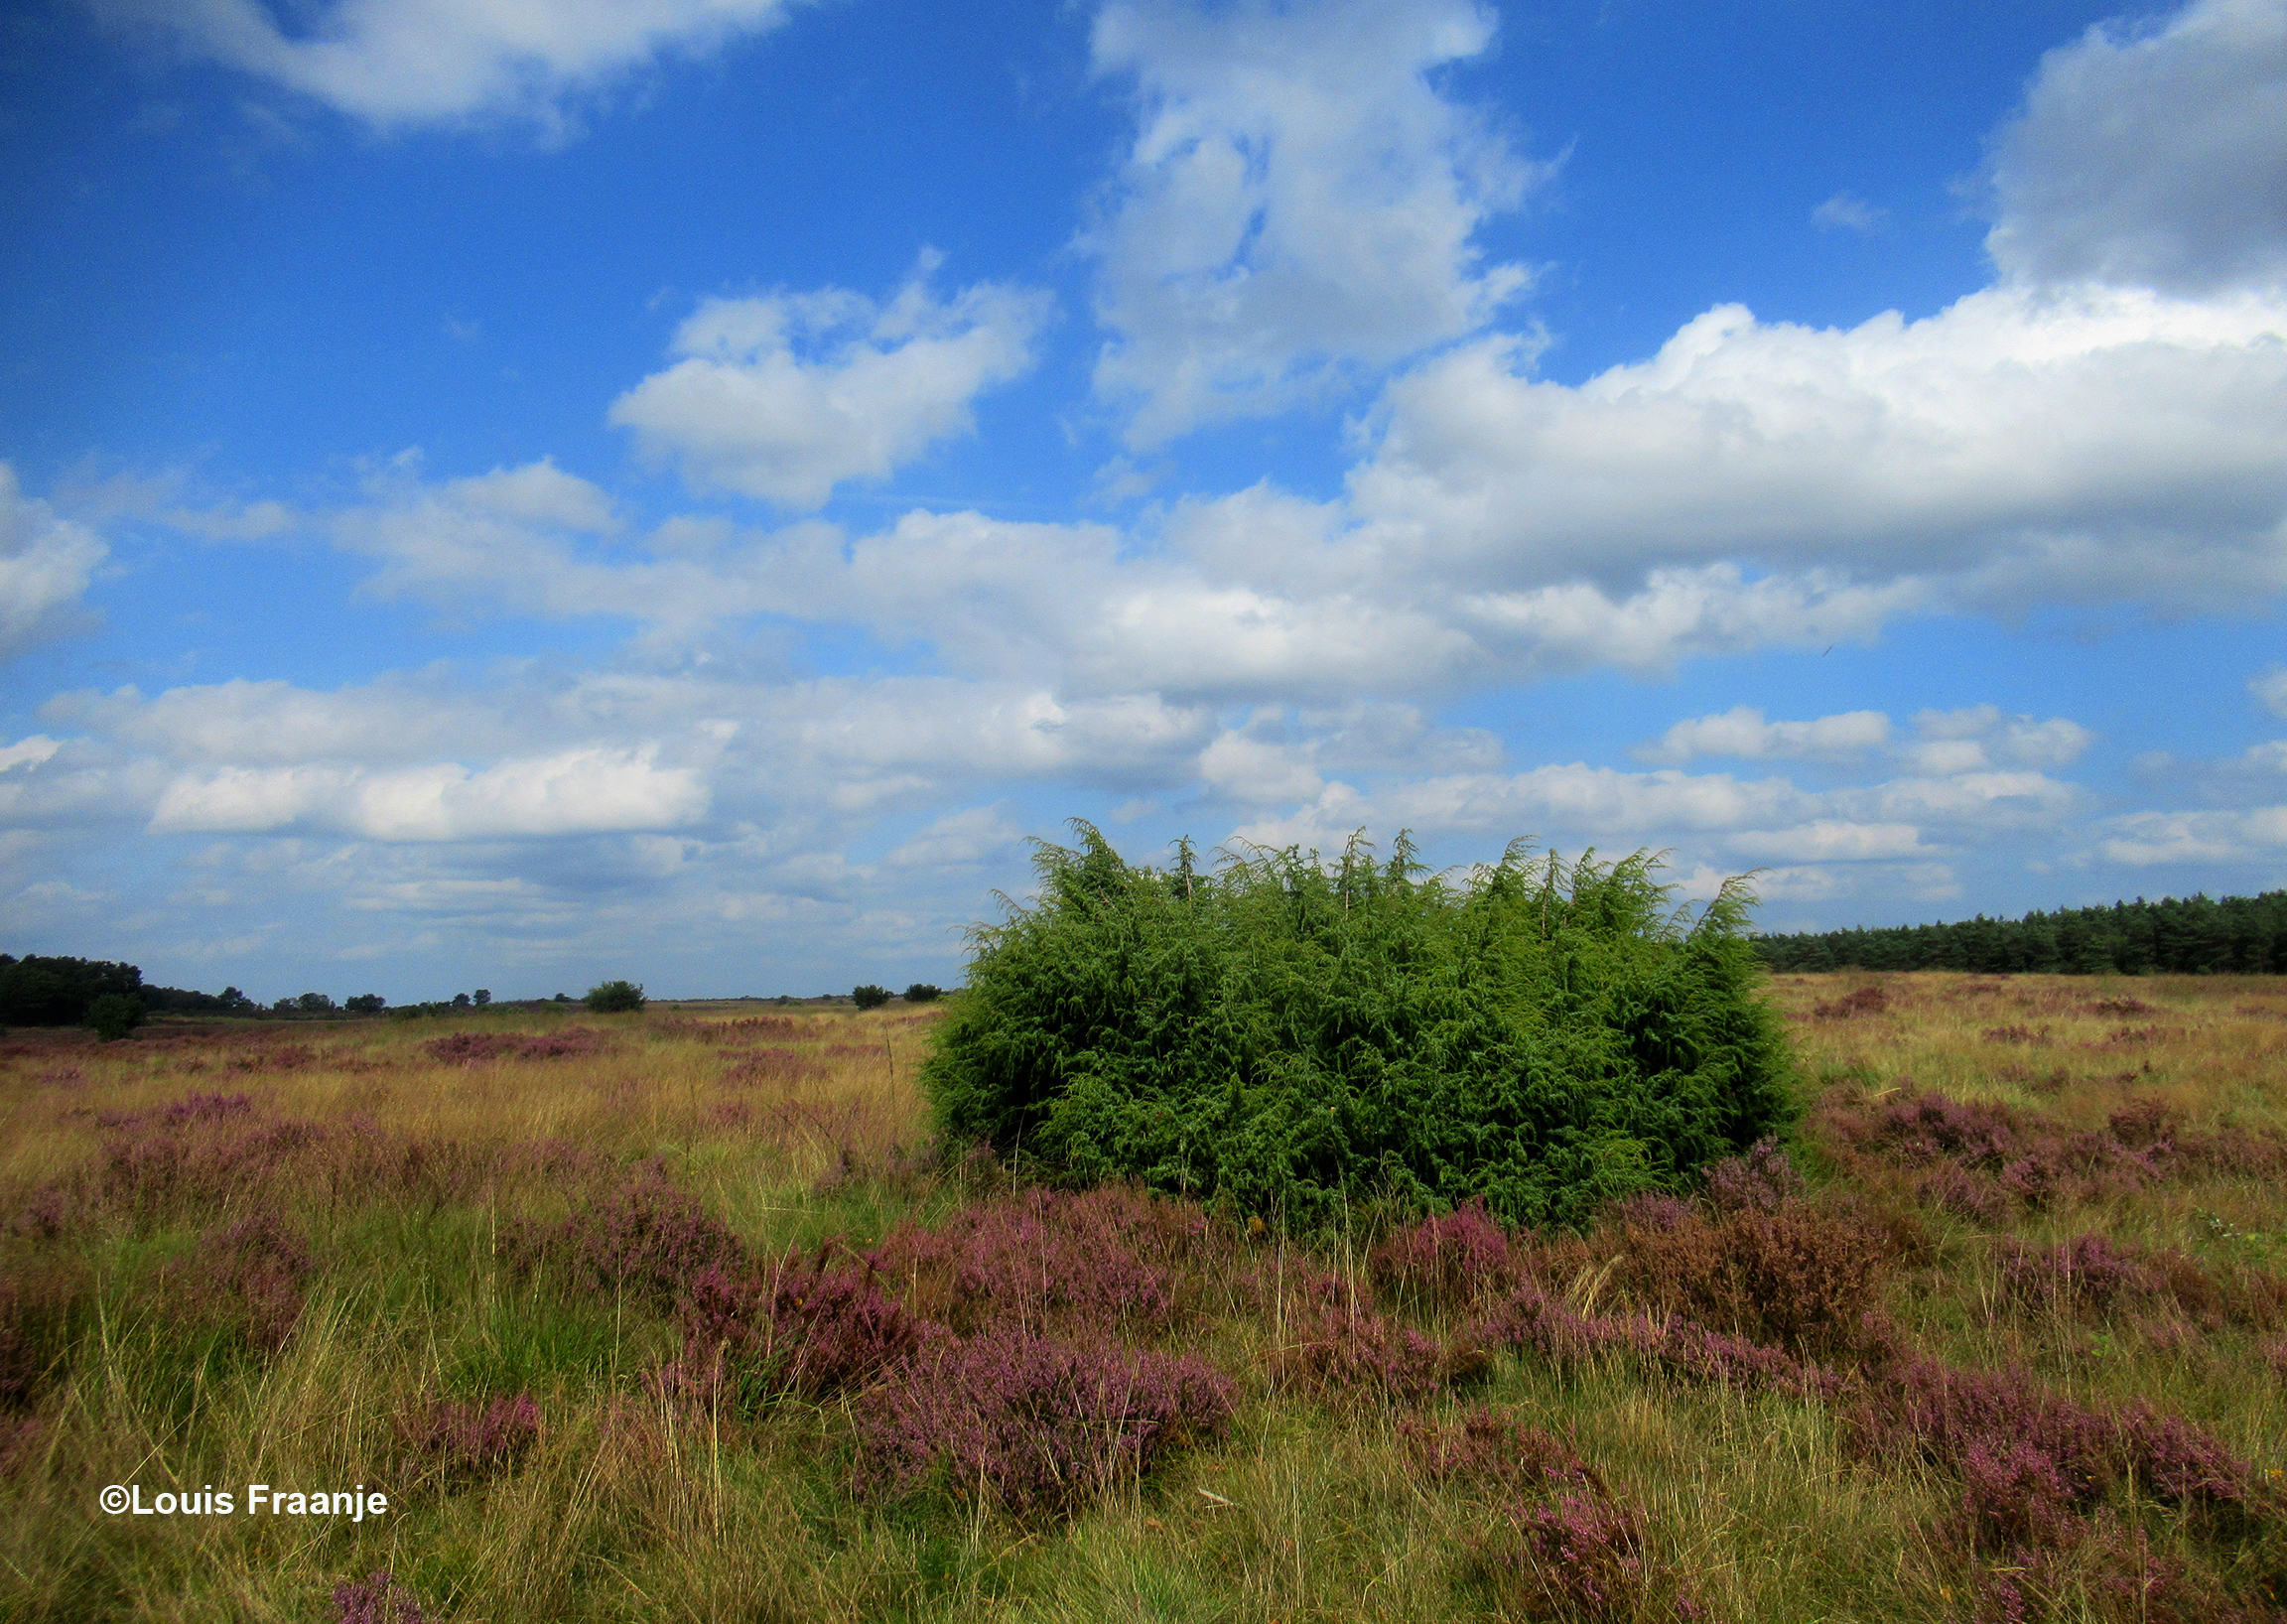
(680, 1314)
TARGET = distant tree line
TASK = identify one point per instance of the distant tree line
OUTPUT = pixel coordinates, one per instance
(2193, 935)
(41, 990)
(56, 991)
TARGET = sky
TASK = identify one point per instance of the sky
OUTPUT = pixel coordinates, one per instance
(688, 490)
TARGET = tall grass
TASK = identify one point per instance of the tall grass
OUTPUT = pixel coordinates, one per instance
(680, 1318)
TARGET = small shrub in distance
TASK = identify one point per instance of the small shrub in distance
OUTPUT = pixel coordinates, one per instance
(869, 997)
(922, 992)
(615, 998)
(113, 1016)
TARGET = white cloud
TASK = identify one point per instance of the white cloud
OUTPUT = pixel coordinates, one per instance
(27, 752)
(1257, 771)
(46, 564)
(578, 792)
(1828, 839)
(1742, 732)
(1979, 737)
(1976, 803)
(1298, 200)
(1849, 213)
(2153, 156)
(2271, 688)
(2016, 447)
(1550, 802)
(394, 63)
(241, 721)
(2145, 838)
(784, 397)
(965, 836)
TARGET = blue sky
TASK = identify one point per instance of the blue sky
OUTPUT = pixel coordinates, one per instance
(683, 489)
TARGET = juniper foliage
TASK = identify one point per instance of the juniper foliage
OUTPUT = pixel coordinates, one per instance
(1294, 1035)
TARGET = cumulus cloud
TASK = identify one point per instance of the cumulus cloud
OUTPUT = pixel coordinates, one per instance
(2147, 839)
(1828, 839)
(400, 62)
(2271, 688)
(2154, 156)
(1298, 200)
(1549, 801)
(46, 565)
(2017, 446)
(785, 396)
(578, 792)
(1742, 732)
(486, 528)
(1979, 737)
(276, 721)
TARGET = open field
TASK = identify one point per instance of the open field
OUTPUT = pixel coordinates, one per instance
(675, 1316)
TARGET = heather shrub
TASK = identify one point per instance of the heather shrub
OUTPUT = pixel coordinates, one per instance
(1797, 1274)
(1335, 1347)
(1443, 1262)
(563, 1044)
(467, 1048)
(1762, 1180)
(813, 1324)
(376, 1598)
(1290, 1035)
(247, 1276)
(646, 1239)
(2100, 1572)
(1112, 1255)
(2088, 1276)
(1580, 1559)
(471, 1048)
(1922, 1406)
(460, 1442)
(1532, 1321)
(2015, 1498)
(1869, 999)
(1988, 1160)
(1037, 1428)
